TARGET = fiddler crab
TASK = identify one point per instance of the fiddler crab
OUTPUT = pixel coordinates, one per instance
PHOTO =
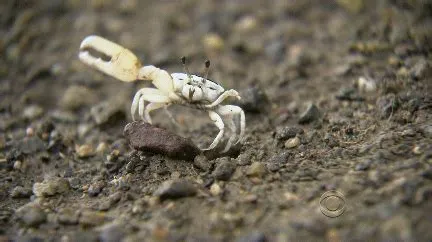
(178, 88)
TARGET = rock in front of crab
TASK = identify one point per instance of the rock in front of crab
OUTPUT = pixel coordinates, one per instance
(146, 137)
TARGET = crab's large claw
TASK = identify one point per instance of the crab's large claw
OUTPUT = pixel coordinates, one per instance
(123, 64)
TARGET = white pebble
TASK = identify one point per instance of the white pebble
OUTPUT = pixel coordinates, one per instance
(292, 143)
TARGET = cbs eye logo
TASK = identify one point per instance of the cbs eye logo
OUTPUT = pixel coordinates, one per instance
(332, 204)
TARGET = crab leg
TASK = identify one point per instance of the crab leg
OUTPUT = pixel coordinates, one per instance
(231, 125)
(149, 95)
(219, 123)
(229, 111)
(123, 64)
(221, 98)
(151, 107)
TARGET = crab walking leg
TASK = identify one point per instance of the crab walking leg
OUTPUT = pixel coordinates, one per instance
(225, 95)
(135, 104)
(219, 123)
(170, 115)
(123, 65)
(232, 127)
(144, 92)
(141, 108)
(228, 112)
(234, 110)
(150, 107)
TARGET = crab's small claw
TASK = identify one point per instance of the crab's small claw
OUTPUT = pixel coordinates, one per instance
(123, 64)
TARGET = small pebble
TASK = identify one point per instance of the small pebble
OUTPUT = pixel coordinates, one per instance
(202, 163)
(364, 165)
(246, 23)
(17, 165)
(277, 161)
(84, 151)
(288, 132)
(32, 112)
(289, 196)
(224, 169)
(173, 189)
(257, 169)
(90, 218)
(145, 137)
(51, 187)
(21, 192)
(215, 189)
(95, 188)
(31, 214)
(421, 70)
(101, 148)
(250, 198)
(29, 131)
(292, 143)
(244, 158)
(68, 216)
(254, 100)
(366, 84)
(311, 114)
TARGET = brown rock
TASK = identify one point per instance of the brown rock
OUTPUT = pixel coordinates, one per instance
(146, 137)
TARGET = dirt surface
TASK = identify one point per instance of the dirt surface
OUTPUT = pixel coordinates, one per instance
(337, 96)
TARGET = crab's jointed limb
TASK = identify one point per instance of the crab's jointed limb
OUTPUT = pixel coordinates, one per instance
(123, 64)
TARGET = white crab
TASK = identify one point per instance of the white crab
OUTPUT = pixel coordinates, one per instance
(178, 88)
